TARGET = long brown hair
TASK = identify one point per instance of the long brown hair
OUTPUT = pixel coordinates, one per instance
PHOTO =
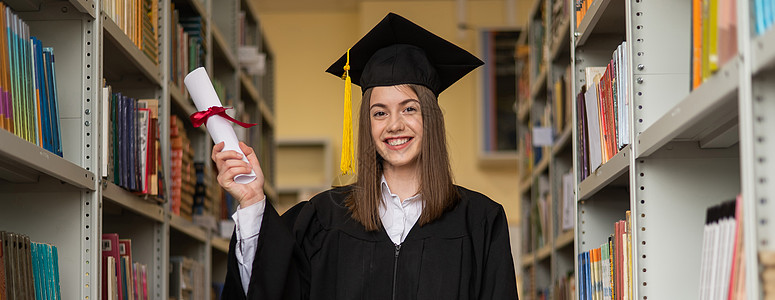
(436, 185)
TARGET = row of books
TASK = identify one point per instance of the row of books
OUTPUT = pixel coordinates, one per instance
(723, 263)
(182, 173)
(133, 153)
(29, 105)
(714, 37)
(560, 15)
(139, 20)
(187, 280)
(582, 6)
(188, 45)
(122, 277)
(28, 270)
(602, 106)
(605, 272)
(559, 94)
(536, 38)
(767, 260)
(565, 287)
(764, 11)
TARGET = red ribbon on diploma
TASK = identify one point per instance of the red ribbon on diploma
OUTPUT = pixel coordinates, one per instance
(200, 117)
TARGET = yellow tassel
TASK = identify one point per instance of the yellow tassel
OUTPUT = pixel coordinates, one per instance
(347, 130)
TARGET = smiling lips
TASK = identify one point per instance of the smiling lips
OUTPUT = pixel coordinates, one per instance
(398, 142)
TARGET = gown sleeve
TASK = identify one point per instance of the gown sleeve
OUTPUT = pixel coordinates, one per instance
(279, 267)
(499, 279)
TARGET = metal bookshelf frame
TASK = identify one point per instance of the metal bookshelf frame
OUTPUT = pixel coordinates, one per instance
(689, 151)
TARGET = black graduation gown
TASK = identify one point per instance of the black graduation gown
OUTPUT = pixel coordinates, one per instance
(316, 251)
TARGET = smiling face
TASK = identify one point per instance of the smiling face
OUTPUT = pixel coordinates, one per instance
(396, 125)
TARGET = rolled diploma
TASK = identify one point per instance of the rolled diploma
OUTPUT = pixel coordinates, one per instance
(204, 96)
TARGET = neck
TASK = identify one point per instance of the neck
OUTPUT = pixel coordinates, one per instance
(403, 181)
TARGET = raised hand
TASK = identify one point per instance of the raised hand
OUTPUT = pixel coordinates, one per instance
(230, 164)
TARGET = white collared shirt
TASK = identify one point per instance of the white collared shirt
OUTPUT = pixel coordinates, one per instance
(248, 223)
(397, 217)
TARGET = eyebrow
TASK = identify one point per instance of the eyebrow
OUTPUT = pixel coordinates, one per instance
(402, 103)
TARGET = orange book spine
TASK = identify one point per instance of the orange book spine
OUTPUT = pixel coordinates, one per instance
(696, 43)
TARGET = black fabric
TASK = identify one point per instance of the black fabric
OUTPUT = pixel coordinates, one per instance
(327, 255)
(397, 51)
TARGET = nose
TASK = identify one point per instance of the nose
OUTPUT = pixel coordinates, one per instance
(396, 124)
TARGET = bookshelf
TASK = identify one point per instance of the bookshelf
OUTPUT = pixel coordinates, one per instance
(66, 201)
(547, 249)
(689, 148)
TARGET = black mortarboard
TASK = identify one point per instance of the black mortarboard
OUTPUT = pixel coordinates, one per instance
(397, 51)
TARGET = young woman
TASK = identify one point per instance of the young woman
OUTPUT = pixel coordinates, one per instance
(403, 230)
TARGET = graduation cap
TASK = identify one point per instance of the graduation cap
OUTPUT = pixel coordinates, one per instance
(397, 51)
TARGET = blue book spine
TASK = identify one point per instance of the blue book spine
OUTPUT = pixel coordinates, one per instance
(132, 127)
(43, 94)
(55, 280)
(53, 99)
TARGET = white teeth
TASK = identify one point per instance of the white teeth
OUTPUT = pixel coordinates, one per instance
(396, 142)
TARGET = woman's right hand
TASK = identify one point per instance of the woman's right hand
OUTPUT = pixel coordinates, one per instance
(230, 164)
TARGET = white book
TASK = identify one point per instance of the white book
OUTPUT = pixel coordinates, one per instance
(593, 127)
(625, 94)
(104, 130)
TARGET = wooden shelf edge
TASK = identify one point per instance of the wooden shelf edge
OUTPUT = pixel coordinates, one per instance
(266, 114)
(528, 259)
(564, 239)
(249, 87)
(220, 244)
(544, 253)
(605, 174)
(536, 87)
(132, 202)
(192, 230)
(563, 140)
(562, 40)
(220, 41)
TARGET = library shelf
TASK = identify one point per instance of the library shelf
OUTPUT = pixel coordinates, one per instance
(708, 115)
(248, 89)
(601, 19)
(563, 140)
(250, 8)
(538, 88)
(564, 239)
(187, 227)
(220, 244)
(125, 57)
(528, 259)
(540, 168)
(23, 162)
(523, 109)
(763, 51)
(605, 174)
(266, 115)
(196, 6)
(544, 252)
(180, 99)
(221, 48)
(132, 202)
(561, 43)
(525, 185)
